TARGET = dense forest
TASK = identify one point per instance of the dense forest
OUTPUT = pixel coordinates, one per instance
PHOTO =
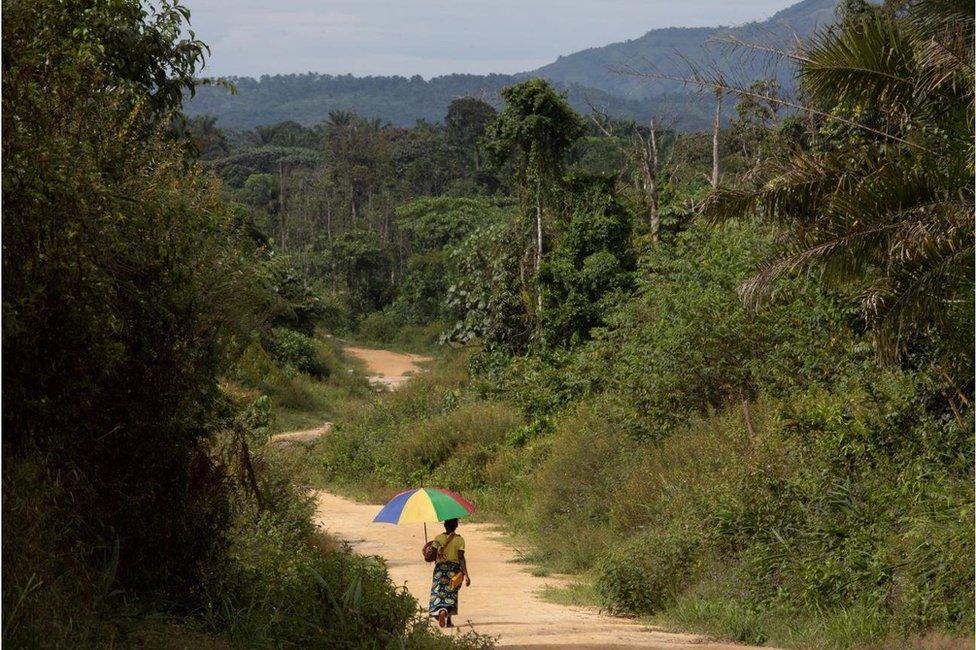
(309, 98)
(724, 378)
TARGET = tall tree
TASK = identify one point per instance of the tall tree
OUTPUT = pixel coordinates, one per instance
(466, 121)
(648, 161)
(119, 279)
(716, 128)
(533, 133)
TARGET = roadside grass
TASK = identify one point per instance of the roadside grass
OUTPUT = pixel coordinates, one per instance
(722, 617)
(581, 592)
(861, 627)
(384, 330)
(319, 402)
(299, 400)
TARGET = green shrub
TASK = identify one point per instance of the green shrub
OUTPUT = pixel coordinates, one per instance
(591, 267)
(430, 443)
(573, 487)
(299, 352)
(336, 312)
(647, 574)
(124, 275)
(380, 326)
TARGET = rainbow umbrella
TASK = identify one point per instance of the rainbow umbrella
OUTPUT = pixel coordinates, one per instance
(420, 505)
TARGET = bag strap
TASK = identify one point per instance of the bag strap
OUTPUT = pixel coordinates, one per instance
(440, 551)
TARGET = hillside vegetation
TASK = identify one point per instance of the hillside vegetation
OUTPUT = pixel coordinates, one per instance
(309, 98)
(670, 51)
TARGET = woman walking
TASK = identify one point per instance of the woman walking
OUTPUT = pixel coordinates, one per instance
(450, 570)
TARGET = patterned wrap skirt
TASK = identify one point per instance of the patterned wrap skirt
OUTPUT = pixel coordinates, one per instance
(441, 594)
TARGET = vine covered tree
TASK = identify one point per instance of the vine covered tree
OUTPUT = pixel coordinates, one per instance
(533, 133)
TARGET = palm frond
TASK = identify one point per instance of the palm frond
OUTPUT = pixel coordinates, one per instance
(873, 63)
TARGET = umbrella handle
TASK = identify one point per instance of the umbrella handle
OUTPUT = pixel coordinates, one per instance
(425, 533)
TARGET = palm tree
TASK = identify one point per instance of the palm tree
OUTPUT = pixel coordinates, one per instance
(884, 197)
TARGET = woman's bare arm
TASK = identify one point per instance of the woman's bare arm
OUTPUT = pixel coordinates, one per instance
(464, 568)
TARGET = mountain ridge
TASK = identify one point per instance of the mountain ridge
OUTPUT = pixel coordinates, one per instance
(667, 50)
(586, 76)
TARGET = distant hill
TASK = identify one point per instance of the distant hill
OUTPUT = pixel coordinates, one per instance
(669, 50)
(308, 98)
(587, 77)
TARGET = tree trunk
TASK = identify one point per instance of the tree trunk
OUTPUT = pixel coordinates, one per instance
(538, 234)
(715, 128)
(328, 220)
(352, 202)
(247, 467)
(747, 416)
(283, 234)
(655, 218)
(649, 162)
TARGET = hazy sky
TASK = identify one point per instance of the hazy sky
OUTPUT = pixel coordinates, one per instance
(434, 37)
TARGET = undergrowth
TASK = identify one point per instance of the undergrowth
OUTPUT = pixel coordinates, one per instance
(829, 506)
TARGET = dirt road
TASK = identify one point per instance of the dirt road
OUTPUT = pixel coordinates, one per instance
(504, 597)
(385, 368)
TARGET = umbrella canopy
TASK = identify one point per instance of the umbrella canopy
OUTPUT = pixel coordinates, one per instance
(421, 505)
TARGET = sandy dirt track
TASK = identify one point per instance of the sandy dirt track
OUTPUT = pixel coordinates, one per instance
(503, 600)
(386, 368)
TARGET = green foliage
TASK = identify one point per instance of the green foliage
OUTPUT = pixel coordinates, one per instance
(534, 131)
(573, 489)
(436, 226)
(362, 260)
(118, 263)
(466, 121)
(435, 223)
(487, 296)
(590, 267)
(599, 155)
(687, 344)
(632, 581)
(884, 198)
(260, 191)
(298, 352)
(296, 305)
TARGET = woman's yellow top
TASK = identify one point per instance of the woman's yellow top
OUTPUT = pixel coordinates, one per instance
(449, 553)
